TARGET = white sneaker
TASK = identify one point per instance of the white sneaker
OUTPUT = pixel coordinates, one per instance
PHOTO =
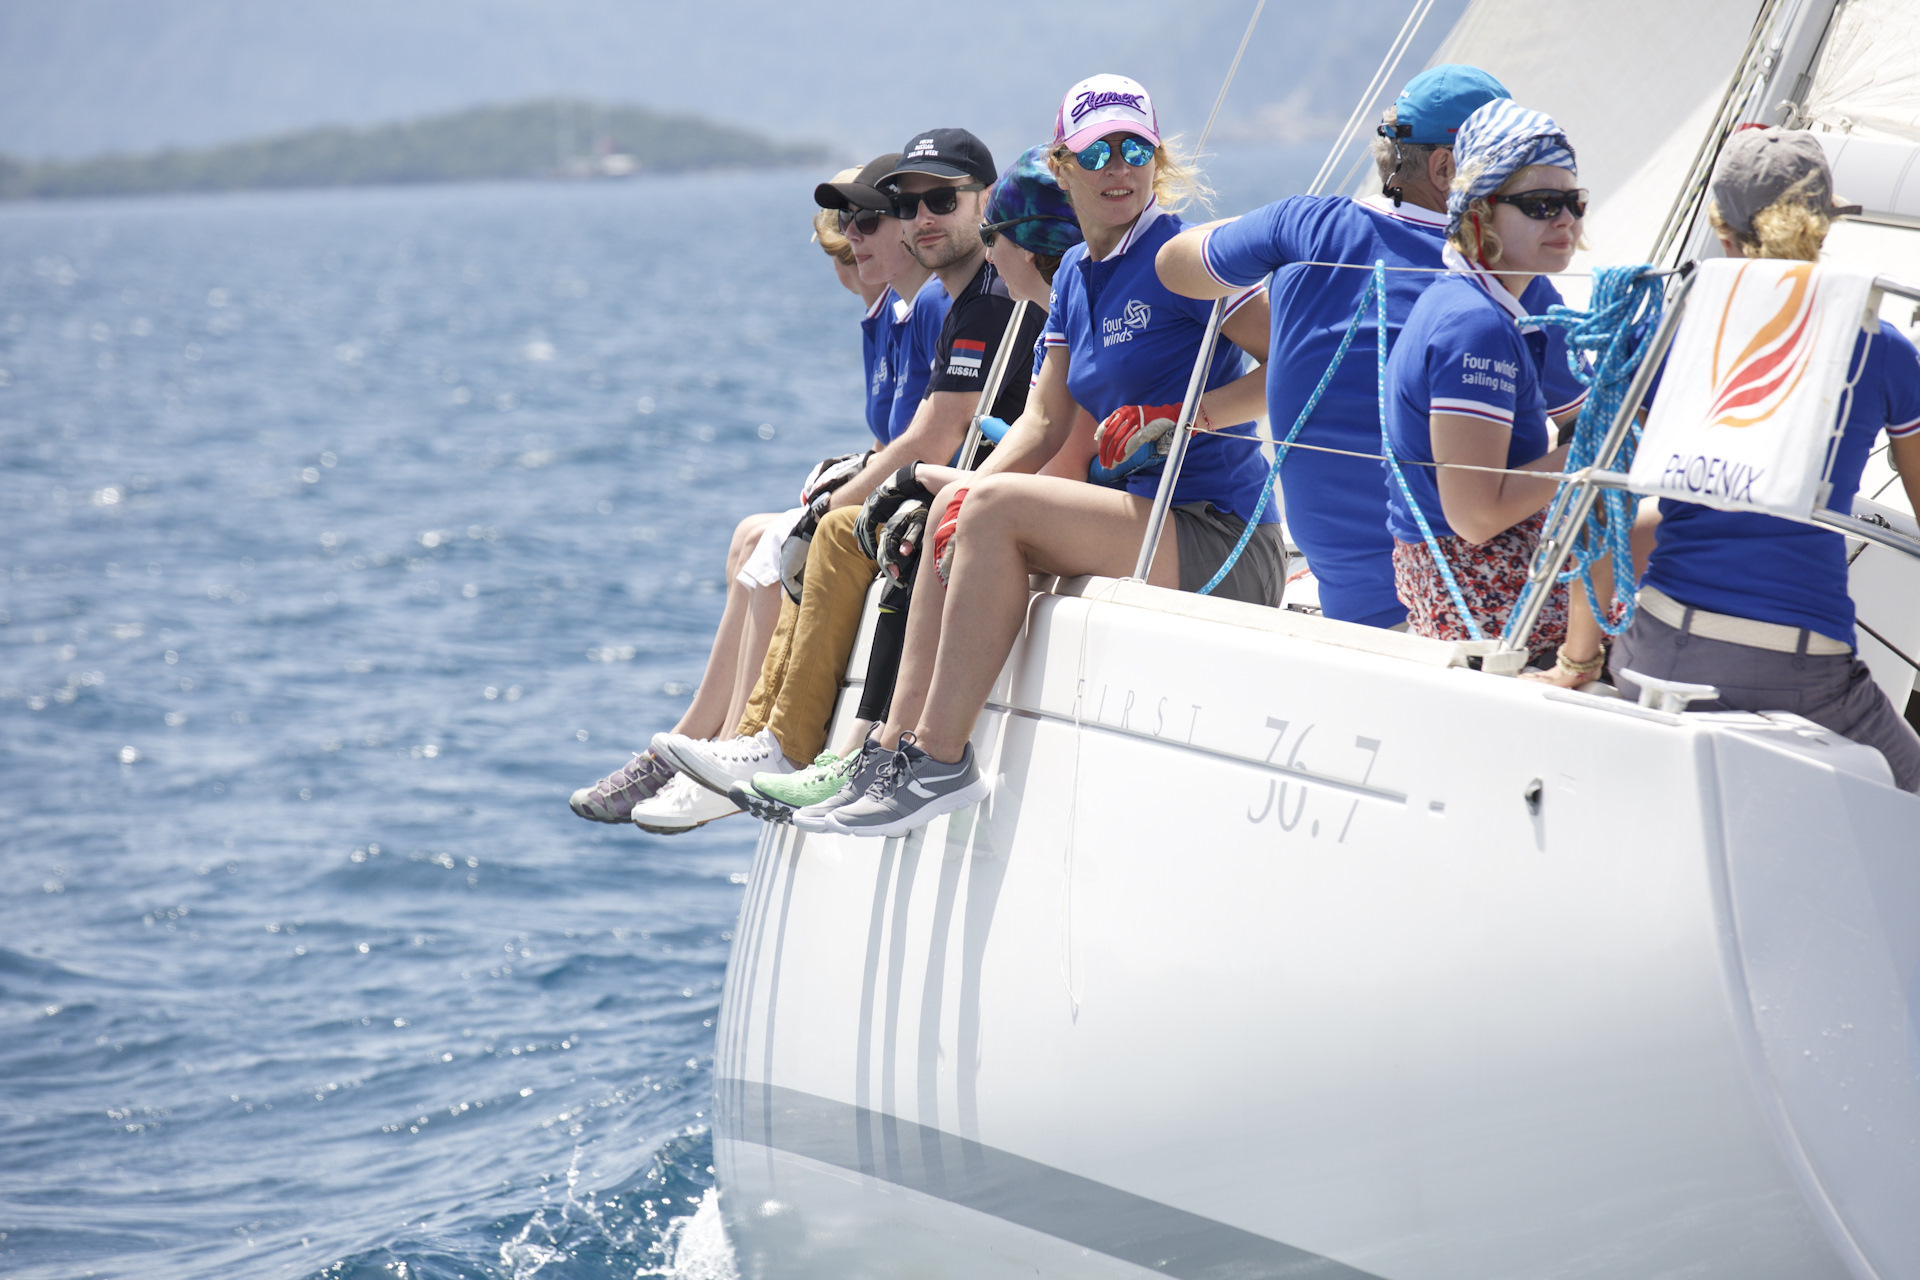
(681, 805)
(718, 764)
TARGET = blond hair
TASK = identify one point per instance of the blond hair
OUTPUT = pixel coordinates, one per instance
(1791, 227)
(826, 226)
(1475, 237)
(1176, 182)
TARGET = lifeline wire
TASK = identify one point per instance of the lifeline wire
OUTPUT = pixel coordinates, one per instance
(1376, 292)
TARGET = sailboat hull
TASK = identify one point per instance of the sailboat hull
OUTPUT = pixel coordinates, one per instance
(1284, 947)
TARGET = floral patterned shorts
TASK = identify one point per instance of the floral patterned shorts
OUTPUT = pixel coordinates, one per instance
(1490, 577)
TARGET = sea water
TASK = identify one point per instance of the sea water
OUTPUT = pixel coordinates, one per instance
(345, 535)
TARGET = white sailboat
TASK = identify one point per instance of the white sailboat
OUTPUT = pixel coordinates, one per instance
(1287, 947)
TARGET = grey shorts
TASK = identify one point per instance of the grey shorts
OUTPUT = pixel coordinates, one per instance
(1835, 690)
(1206, 534)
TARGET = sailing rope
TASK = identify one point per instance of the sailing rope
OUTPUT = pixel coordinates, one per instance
(1376, 293)
(1615, 329)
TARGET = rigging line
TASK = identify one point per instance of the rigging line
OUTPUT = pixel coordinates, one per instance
(1891, 648)
(1229, 434)
(1582, 275)
(1221, 97)
(1395, 51)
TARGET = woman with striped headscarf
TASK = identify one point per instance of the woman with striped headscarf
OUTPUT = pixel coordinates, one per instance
(1464, 387)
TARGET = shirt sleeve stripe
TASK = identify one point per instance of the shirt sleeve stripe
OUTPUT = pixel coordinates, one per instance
(1054, 339)
(1473, 409)
(1569, 406)
(1241, 300)
(1206, 260)
(1900, 431)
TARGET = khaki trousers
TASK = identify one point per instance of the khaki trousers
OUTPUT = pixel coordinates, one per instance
(807, 659)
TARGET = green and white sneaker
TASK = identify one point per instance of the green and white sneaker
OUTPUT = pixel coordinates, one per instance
(772, 797)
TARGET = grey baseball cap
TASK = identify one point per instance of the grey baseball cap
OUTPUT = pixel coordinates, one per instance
(1758, 166)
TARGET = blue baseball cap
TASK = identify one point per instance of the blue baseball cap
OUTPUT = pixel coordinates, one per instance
(1028, 207)
(1431, 109)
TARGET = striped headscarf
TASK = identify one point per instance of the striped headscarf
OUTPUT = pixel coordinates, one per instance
(1495, 142)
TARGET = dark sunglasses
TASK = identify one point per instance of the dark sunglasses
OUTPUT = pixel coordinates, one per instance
(1545, 205)
(940, 201)
(1135, 151)
(990, 231)
(865, 221)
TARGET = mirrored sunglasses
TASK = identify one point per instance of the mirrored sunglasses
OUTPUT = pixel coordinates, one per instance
(940, 201)
(1545, 205)
(1135, 151)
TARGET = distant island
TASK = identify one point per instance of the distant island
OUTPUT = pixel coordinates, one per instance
(549, 138)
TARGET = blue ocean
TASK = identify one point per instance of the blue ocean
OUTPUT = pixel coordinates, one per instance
(346, 533)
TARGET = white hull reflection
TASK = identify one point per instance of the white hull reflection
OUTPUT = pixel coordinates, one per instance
(1287, 947)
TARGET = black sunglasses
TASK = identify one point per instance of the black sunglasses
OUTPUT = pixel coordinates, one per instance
(865, 221)
(990, 231)
(1545, 205)
(940, 201)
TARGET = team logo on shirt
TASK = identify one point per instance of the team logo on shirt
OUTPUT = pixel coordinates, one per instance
(1485, 371)
(964, 361)
(1132, 318)
(879, 374)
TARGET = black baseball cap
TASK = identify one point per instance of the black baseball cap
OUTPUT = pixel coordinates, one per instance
(864, 191)
(945, 153)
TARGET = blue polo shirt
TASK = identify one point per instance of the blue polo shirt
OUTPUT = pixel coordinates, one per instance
(876, 353)
(1773, 570)
(1130, 340)
(915, 343)
(1461, 353)
(1336, 505)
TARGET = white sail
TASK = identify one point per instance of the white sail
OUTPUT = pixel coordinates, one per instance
(1633, 82)
(1867, 82)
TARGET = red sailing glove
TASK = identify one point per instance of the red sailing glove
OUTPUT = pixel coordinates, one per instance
(943, 537)
(1133, 426)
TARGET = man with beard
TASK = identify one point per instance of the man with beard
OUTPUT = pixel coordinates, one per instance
(939, 193)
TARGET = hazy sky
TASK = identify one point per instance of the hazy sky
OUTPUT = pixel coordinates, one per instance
(84, 76)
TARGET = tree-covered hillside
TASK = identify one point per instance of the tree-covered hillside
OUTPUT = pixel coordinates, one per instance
(523, 140)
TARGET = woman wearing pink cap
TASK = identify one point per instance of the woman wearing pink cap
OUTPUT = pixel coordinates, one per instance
(1121, 347)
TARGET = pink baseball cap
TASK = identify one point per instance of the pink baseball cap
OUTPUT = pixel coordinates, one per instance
(1104, 104)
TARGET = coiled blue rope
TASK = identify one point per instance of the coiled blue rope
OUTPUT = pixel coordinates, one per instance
(1626, 307)
(1376, 292)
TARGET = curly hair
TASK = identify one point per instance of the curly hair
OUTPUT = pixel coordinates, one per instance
(1176, 182)
(1791, 227)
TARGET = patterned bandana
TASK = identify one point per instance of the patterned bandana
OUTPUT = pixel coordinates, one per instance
(1028, 190)
(1497, 141)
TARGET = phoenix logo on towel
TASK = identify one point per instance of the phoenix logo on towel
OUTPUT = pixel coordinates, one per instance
(1775, 358)
(966, 357)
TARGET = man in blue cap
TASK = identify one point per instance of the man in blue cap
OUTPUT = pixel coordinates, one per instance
(1336, 506)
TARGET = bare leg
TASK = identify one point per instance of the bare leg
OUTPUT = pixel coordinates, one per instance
(706, 716)
(1012, 525)
(763, 612)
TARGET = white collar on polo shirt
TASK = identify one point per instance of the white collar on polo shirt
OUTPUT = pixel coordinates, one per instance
(1457, 262)
(1405, 212)
(1148, 216)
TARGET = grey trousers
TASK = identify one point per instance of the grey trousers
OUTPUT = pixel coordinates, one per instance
(1834, 690)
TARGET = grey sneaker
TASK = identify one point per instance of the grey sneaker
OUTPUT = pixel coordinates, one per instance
(862, 767)
(910, 790)
(612, 798)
